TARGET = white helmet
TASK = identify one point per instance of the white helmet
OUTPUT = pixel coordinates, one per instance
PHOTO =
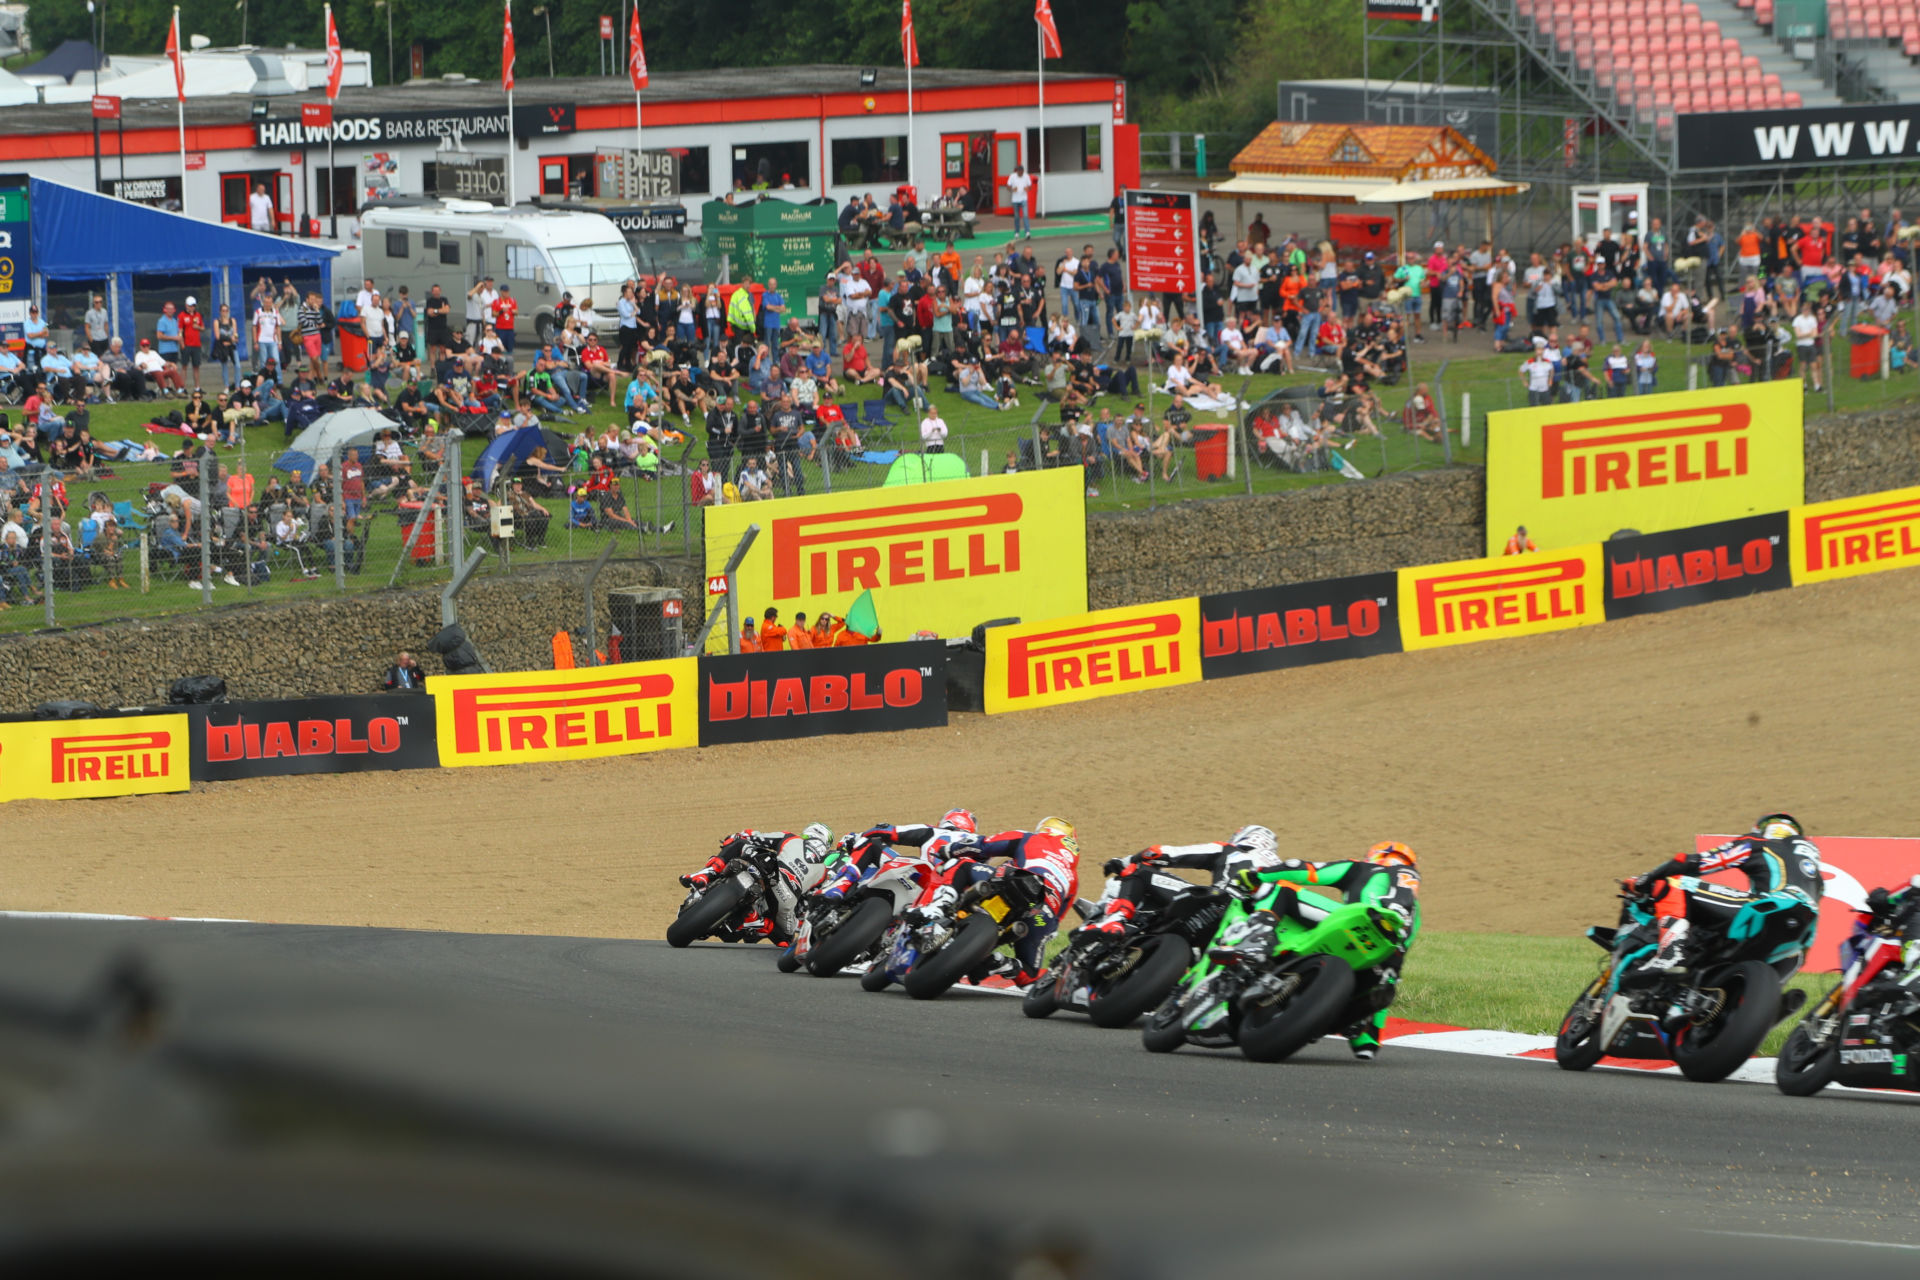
(816, 840)
(1257, 840)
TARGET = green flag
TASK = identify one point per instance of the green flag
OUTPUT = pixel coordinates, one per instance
(862, 617)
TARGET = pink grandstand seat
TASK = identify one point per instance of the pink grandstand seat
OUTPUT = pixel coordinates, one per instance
(1911, 41)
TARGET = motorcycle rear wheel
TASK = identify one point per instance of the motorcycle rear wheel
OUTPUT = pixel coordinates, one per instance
(875, 978)
(1578, 1046)
(932, 975)
(1733, 1037)
(1804, 1068)
(856, 933)
(1144, 986)
(701, 917)
(1164, 1031)
(1272, 1032)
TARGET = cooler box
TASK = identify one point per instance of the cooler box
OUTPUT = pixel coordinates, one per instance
(1210, 452)
(1360, 231)
(1868, 342)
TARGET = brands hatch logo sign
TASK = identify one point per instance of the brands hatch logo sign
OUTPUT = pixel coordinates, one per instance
(1644, 451)
(547, 716)
(895, 546)
(1127, 651)
(814, 695)
(1497, 598)
(110, 757)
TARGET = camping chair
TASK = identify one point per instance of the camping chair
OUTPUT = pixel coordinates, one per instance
(874, 419)
(124, 515)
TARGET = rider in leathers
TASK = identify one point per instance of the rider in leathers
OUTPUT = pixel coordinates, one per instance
(1130, 879)
(1776, 858)
(952, 836)
(1389, 879)
(1052, 852)
(802, 857)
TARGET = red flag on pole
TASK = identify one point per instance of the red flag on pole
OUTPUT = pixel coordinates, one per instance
(1050, 34)
(334, 61)
(636, 54)
(506, 50)
(173, 56)
(909, 46)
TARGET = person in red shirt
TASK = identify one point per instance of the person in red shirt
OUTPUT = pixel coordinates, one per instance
(193, 330)
(1811, 250)
(504, 311)
(353, 484)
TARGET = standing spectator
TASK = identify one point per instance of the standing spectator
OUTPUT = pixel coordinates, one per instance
(193, 330)
(1656, 251)
(405, 676)
(353, 483)
(438, 310)
(480, 300)
(97, 323)
(266, 333)
(313, 336)
(260, 212)
(225, 347)
(1537, 373)
(933, 431)
(1646, 368)
(1019, 184)
(504, 311)
(166, 335)
(1806, 342)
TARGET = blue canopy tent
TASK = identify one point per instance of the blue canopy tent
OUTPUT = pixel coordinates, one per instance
(68, 61)
(513, 449)
(79, 235)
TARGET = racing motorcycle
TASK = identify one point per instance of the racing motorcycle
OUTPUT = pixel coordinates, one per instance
(1113, 979)
(835, 934)
(756, 880)
(1866, 1031)
(1274, 979)
(1707, 1019)
(948, 934)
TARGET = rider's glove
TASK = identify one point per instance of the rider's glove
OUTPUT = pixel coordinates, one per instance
(1292, 864)
(1114, 866)
(1246, 882)
(1151, 854)
(1403, 911)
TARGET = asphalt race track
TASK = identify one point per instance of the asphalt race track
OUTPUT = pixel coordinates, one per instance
(1519, 1139)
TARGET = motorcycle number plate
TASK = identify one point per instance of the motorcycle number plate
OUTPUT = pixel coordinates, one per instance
(997, 908)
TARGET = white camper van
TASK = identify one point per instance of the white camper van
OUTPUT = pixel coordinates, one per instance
(542, 253)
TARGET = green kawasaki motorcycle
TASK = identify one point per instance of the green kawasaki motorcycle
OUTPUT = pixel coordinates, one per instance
(1278, 975)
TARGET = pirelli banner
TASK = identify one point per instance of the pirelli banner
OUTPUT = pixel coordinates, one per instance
(79, 759)
(1469, 600)
(803, 693)
(1581, 473)
(1093, 655)
(940, 557)
(1242, 632)
(1851, 536)
(528, 717)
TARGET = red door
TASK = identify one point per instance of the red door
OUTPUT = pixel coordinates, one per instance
(553, 176)
(1006, 158)
(283, 201)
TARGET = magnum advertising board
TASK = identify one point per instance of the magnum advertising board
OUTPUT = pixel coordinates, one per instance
(1579, 473)
(1469, 600)
(1092, 655)
(313, 735)
(1242, 632)
(524, 717)
(802, 693)
(1659, 571)
(1852, 536)
(940, 557)
(77, 759)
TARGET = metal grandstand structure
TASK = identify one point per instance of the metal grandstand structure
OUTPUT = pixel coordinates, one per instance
(1561, 123)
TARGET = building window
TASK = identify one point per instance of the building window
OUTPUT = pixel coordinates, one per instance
(345, 191)
(429, 239)
(1070, 148)
(696, 172)
(773, 166)
(449, 252)
(396, 244)
(861, 162)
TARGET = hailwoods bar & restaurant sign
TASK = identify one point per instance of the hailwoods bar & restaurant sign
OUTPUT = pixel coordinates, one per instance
(1268, 628)
(394, 127)
(801, 693)
(313, 735)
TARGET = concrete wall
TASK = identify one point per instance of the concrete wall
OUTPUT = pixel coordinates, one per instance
(344, 645)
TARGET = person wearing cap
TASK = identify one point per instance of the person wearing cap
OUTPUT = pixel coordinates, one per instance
(159, 371)
(1537, 373)
(480, 300)
(193, 332)
(1373, 281)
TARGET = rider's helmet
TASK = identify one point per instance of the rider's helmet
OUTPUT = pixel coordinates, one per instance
(1258, 841)
(1392, 853)
(959, 820)
(1777, 826)
(815, 841)
(1062, 828)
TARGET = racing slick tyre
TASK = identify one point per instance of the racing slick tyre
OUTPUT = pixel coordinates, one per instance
(875, 978)
(1164, 1031)
(1039, 1001)
(1803, 1067)
(1156, 970)
(700, 917)
(1578, 1046)
(1712, 1050)
(1271, 1032)
(788, 962)
(856, 933)
(932, 975)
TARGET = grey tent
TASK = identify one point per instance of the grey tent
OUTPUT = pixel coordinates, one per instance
(334, 431)
(68, 61)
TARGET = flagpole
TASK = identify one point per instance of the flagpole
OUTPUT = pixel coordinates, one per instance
(1040, 162)
(910, 126)
(639, 139)
(510, 187)
(180, 103)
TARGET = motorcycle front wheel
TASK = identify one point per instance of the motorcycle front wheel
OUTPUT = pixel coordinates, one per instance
(1803, 1067)
(932, 975)
(856, 933)
(1144, 985)
(1164, 1031)
(788, 961)
(701, 917)
(1272, 1032)
(1713, 1050)
(1578, 1046)
(1039, 1001)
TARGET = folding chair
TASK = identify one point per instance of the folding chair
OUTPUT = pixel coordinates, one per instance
(873, 417)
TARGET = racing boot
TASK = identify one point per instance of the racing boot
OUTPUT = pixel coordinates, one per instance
(996, 965)
(754, 926)
(699, 879)
(1672, 954)
(1113, 921)
(1363, 1040)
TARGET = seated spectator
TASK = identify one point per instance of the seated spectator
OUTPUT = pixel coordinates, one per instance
(756, 484)
(160, 372)
(1421, 416)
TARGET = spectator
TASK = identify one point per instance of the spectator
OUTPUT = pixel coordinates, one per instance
(224, 347)
(405, 676)
(1019, 184)
(193, 330)
(1421, 416)
(755, 484)
(313, 322)
(1537, 373)
(97, 324)
(260, 212)
(933, 431)
(1806, 343)
(158, 370)
(166, 334)
(1646, 368)
(1520, 543)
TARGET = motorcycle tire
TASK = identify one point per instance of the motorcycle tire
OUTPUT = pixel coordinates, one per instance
(1803, 1068)
(1142, 987)
(1164, 1031)
(1039, 1001)
(875, 979)
(702, 916)
(932, 975)
(1270, 1033)
(1578, 1046)
(788, 962)
(1739, 1031)
(856, 933)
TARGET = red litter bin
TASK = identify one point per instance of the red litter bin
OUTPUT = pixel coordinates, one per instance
(1210, 452)
(1869, 341)
(423, 545)
(353, 347)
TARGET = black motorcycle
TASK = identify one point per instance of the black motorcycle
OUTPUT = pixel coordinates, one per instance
(756, 880)
(1114, 978)
(1864, 1033)
(1707, 1019)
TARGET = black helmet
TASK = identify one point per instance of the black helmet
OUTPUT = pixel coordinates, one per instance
(1777, 826)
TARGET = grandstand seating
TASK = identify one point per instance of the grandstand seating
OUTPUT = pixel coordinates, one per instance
(1889, 20)
(1660, 58)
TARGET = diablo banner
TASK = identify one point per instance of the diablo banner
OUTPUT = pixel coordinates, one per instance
(1579, 473)
(1852, 536)
(1442, 604)
(802, 693)
(940, 557)
(1242, 632)
(313, 735)
(74, 759)
(1659, 571)
(1091, 655)
(523, 717)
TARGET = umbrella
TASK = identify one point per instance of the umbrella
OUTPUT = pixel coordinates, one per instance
(329, 432)
(925, 468)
